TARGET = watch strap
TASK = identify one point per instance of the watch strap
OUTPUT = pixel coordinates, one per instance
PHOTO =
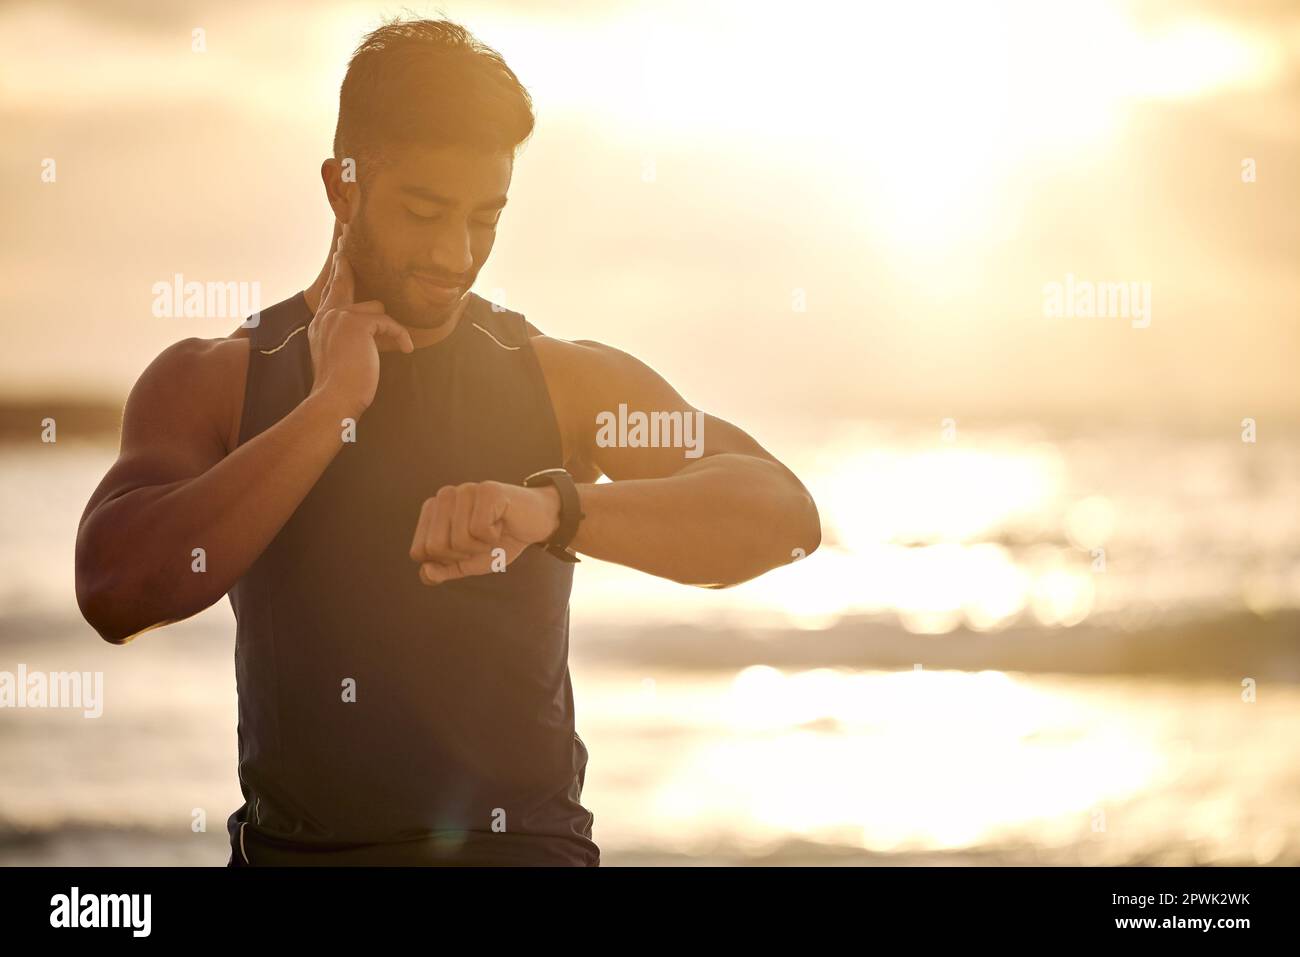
(570, 510)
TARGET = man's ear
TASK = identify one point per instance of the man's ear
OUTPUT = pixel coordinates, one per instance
(341, 187)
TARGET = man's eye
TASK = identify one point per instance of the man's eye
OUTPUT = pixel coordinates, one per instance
(488, 223)
(429, 218)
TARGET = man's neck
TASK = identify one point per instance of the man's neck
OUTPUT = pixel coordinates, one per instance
(313, 292)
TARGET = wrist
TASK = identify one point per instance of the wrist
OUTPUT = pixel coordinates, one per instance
(563, 510)
(334, 405)
(549, 496)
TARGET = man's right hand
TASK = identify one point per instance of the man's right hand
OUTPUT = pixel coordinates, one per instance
(346, 338)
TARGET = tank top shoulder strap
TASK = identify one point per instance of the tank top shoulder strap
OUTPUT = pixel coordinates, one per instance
(279, 365)
(279, 322)
(510, 329)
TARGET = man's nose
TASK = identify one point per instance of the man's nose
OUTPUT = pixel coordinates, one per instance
(450, 252)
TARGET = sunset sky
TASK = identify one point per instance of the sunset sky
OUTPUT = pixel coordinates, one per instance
(913, 175)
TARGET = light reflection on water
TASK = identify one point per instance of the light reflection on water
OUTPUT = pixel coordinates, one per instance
(1003, 526)
(1091, 770)
(724, 765)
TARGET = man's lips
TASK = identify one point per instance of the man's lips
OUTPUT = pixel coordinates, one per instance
(436, 287)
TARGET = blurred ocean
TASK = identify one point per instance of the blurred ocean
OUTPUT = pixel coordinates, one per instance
(1014, 646)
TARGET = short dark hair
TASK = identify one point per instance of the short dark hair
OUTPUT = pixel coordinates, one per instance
(430, 82)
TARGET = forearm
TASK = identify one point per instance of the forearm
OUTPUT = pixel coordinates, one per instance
(720, 521)
(136, 553)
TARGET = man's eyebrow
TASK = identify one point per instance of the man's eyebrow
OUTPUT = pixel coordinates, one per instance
(497, 202)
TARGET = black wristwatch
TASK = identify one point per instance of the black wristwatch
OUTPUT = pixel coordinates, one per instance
(570, 510)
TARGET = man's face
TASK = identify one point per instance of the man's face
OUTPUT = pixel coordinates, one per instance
(427, 223)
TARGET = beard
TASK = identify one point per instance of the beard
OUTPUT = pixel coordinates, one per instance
(377, 278)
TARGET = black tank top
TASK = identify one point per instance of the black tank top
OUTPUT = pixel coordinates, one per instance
(460, 745)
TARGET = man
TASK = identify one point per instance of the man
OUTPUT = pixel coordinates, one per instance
(359, 470)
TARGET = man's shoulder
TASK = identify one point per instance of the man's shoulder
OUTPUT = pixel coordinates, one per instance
(207, 377)
(201, 358)
(196, 380)
(588, 366)
(578, 354)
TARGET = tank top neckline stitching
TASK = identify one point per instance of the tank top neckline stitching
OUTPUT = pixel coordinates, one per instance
(465, 319)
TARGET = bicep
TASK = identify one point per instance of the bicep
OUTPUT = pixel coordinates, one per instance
(636, 425)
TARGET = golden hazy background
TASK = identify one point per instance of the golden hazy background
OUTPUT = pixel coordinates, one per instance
(918, 170)
(1055, 615)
